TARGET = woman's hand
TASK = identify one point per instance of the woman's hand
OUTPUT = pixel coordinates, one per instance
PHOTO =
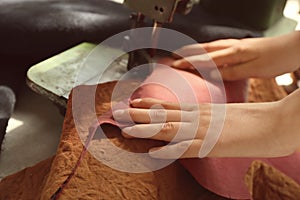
(245, 58)
(249, 130)
(159, 120)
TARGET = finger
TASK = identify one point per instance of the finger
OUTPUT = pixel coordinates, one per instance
(189, 50)
(139, 115)
(202, 48)
(194, 61)
(237, 72)
(169, 131)
(219, 44)
(150, 103)
(226, 57)
(164, 132)
(184, 149)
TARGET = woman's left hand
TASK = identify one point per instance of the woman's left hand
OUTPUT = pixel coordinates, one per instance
(248, 129)
(170, 122)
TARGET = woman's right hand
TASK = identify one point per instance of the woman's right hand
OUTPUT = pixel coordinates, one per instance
(245, 58)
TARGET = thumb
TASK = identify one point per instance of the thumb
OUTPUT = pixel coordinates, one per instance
(184, 149)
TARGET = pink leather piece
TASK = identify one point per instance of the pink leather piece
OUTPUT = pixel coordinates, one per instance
(224, 176)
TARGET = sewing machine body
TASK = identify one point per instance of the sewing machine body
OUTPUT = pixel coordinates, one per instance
(57, 84)
(158, 10)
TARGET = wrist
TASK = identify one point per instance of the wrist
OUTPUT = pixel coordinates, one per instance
(293, 43)
(289, 111)
(296, 42)
(285, 50)
(252, 128)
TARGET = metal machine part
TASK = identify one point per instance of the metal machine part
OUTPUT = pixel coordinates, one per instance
(160, 11)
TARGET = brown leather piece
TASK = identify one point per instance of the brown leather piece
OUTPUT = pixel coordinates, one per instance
(27, 183)
(265, 90)
(266, 182)
(94, 180)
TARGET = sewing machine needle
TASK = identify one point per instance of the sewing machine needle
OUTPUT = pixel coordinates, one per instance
(155, 35)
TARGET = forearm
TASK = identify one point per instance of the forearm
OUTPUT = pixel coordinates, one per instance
(260, 129)
(277, 55)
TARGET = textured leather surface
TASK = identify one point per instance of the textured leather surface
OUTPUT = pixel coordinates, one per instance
(31, 181)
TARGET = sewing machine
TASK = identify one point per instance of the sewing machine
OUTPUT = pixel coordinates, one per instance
(55, 77)
(160, 12)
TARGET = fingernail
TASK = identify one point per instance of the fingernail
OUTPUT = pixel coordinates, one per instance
(152, 150)
(154, 153)
(118, 113)
(215, 74)
(176, 63)
(136, 101)
(127, 130)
